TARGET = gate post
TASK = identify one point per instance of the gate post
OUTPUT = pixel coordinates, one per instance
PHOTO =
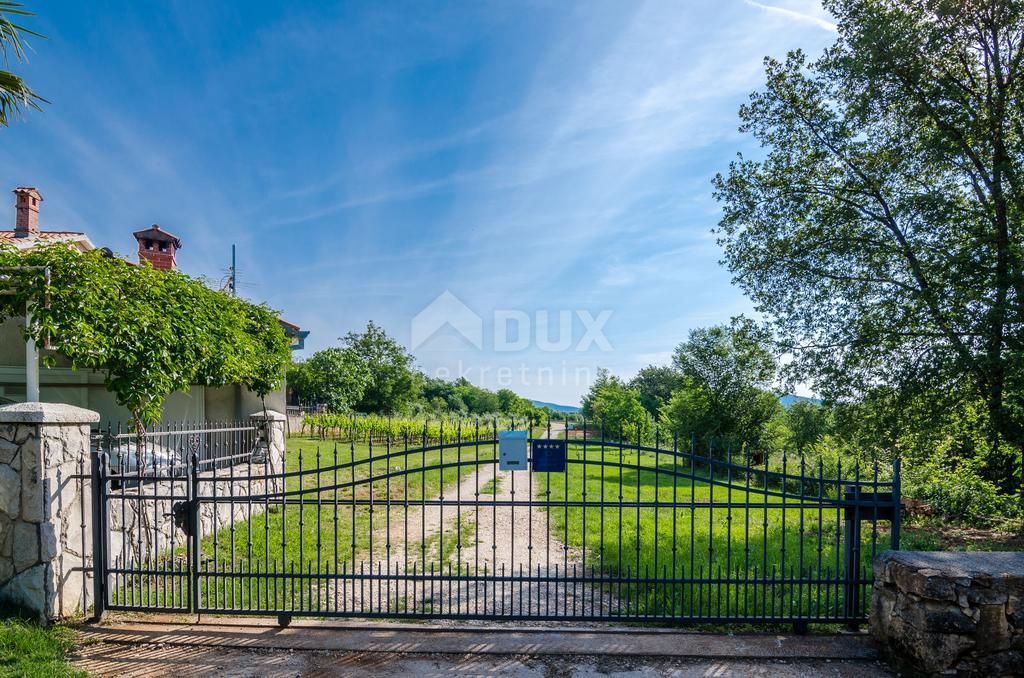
(851, 555)
(897, 505)
(193, 532)
(45, 499)
(100, 534)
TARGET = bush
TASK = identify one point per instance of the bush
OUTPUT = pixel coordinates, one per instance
(960, 493)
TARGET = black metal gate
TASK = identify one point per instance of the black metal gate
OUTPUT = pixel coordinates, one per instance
(599, 527)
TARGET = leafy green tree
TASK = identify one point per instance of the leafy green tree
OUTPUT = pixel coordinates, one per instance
(807, 423)
(300, 382)
(393, 381)
(726, 371)
(474, 400)
(616, 408)
(15, 94)
(655, 385)
(727, 359)
(746, 423)
(334, 377)
(881, 231)
(508, 401)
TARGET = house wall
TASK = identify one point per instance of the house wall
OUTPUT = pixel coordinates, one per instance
(84, 388)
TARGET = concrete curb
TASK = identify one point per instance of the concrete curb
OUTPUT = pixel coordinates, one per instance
(423, 639)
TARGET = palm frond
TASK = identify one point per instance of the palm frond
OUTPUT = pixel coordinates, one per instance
(15, 95)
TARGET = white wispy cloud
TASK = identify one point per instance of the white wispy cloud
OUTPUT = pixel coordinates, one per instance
(813, 15)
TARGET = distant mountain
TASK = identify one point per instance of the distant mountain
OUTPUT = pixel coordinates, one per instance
(572, 409)
(789, 400)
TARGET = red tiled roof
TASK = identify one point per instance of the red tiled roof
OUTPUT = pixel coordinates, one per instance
(44, 236)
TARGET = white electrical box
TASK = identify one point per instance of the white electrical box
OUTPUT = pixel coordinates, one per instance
(512, 450)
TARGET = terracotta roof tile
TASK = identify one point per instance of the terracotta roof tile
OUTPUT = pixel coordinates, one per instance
(43, 236)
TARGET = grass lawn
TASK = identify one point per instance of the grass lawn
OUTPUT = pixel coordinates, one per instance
(720, 542)
(30, 650)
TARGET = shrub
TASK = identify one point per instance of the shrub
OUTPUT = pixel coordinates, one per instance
(960, 493)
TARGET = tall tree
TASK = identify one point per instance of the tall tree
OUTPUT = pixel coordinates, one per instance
(393, 382)
(882, 229)
(15, 94)
(655, 384)
(615, 407)
(334, 377)
(727, 359)
(724, 399)
(807, 423)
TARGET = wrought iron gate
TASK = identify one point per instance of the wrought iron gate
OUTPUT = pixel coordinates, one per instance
(597, 527)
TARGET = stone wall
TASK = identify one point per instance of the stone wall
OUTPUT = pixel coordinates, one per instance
(943, 612)
(45, 534)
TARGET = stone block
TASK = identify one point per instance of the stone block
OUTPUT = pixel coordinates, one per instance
(8, 451)
(1015, 612)
(6, 537)
(26, 546)
(46, 413)
(992, 594)
(10, 491)
(48, 547)
(27, 591)
(947, 619)
(31, 484)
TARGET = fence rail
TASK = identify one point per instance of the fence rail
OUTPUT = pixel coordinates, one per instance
(165, 450)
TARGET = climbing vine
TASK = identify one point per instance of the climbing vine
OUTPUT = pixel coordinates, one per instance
(150, 332)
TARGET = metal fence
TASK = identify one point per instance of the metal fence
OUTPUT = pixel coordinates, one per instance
(592, 528)
(165, 450)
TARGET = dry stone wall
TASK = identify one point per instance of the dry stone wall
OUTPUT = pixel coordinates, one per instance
(950, 613)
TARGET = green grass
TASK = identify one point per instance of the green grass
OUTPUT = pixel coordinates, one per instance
(30, 650)
(730, 541)
(491, 486)
(319, 530)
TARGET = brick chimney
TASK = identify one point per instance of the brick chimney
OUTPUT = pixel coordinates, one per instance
(158, 247)
(26, 202)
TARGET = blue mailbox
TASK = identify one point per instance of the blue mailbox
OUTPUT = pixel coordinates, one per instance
(549, 456)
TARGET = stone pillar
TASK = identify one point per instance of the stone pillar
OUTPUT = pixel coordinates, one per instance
(45, 509)
(273, 424)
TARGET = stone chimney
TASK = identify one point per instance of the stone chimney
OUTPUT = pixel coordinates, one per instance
(158, 247)
(26, 202)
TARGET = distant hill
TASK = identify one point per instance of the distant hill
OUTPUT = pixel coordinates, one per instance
(572, 409)
(789, 400)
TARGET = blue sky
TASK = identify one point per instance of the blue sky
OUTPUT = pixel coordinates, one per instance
(531, 157)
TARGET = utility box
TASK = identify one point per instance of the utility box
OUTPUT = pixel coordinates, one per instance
(512, 450)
